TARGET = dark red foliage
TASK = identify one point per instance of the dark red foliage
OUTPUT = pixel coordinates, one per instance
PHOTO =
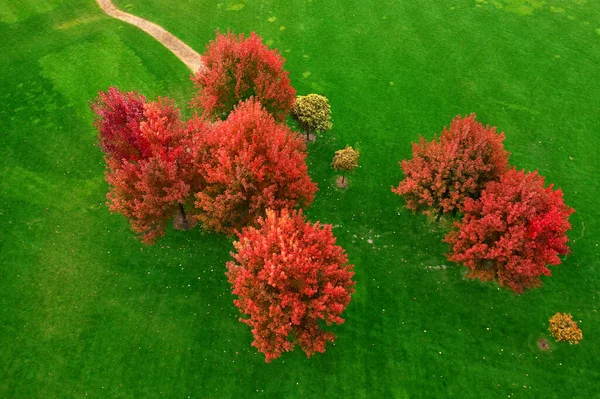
(149, 191)
(250, 163)
(513, 231)
(442, 174)
(237, 68)
(290, 278)
(119, 115)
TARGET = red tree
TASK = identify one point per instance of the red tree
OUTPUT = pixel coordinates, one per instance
(289, 277)
(119, 115)
(512, 232)
(250, 163)
(152, 189)
(442, 174)
(237, 68)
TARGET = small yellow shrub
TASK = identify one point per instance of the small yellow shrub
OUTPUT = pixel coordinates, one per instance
(564, 328)
(312, 112)
(346, 159)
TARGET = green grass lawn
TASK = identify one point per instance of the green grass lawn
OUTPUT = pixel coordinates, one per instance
(88, 311)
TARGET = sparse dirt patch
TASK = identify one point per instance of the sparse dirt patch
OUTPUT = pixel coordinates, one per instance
(543, 344)
(340, 182)
(179, 225)
(311, 137)
(437, 267)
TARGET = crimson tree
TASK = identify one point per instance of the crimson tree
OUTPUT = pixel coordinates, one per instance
(237, 68)
(249, 163)
(149, 161)
(442, 174)
(289, 277)
(512, 232)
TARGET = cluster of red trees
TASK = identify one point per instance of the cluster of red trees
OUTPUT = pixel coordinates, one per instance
(238, 170)
(224, 167)
(511, 226)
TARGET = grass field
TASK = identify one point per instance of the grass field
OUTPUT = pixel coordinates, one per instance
(87, 311)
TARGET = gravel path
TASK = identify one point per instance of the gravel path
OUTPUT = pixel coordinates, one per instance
(184, 52)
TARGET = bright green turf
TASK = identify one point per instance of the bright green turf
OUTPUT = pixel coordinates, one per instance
(86, 309)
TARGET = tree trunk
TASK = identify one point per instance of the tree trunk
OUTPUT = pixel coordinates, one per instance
(186, 225)
(343, 178)
(308, 135)
(439, 216)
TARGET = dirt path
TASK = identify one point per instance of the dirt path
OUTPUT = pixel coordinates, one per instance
(184, 52)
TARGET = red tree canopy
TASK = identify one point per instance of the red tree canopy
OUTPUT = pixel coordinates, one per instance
(149, 191)
(250, 163)
(290, 277)
(442, 174)
(237, 68)
(513, 231)
(119, 115)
